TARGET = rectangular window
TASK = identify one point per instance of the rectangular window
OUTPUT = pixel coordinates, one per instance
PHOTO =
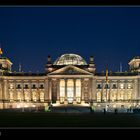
(41, 86)
(78, 88)
(18, 86)
(121, 86)
(129, 86)
(99, 86)
(114, 86)
(11, 86)
(62, 88)
(34, 86)
(26, 86)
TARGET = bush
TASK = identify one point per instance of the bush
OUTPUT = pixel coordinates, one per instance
(136, 111)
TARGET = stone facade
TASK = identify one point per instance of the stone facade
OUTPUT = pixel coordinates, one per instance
(72, 82)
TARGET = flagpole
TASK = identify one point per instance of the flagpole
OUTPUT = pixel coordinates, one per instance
(106, 81)
(1, 52)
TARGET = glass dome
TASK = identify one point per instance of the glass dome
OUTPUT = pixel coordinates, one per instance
(70, 59)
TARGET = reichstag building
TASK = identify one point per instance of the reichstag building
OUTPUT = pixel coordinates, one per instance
(70, 80)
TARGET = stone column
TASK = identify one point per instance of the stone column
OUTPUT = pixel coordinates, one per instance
(90, 89)
(5, 90)
(1, 97)
(94, 90)
(65, 91)
(102, 91)
(109, 93)
(23, 96)
(136, 89)
(30, 90)
(74, 91)
(58, 90)
(38, 91)
(117, 91)
(5, 93)
(15, 91)
(125, 91)
(50, 89)
(46, 90)
(82, 90)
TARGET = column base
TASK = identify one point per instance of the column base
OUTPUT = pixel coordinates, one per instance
(57, 102)
(65, 102)
(82, 102)
(74, 102)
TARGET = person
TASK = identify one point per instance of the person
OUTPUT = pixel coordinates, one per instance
(115, 110)
(104, 111)
(127, 110)
(130, 109)
(92, 109)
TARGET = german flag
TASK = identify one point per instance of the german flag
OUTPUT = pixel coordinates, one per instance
(1, 51)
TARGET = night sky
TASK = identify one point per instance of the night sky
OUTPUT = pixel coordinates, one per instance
(29, 34)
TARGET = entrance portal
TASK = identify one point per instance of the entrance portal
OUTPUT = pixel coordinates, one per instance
(67, 91)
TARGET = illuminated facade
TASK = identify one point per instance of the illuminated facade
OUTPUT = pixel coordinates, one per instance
(69, 80)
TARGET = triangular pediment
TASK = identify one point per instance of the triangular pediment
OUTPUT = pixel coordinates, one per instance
(70, 70)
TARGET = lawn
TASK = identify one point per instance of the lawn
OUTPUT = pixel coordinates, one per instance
(28, 119)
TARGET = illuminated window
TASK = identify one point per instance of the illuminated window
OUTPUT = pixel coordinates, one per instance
(113, 96)
(121, 86)
(121, 96)
(70, 59)
(11, 86)
(62, 90)
(78, 90)
(98, 96)
(129, 96)
(34, 95)
(62, 99)
(19, 96)
(129, 86)
(11, 96)
(26, 95)
(42, 96)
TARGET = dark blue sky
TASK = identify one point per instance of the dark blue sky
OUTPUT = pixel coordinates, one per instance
(29, 34)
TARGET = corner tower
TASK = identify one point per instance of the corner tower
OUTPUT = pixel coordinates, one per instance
(134, 64)
(5, 63)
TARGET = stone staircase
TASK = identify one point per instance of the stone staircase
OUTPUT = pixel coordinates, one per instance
(70, 109)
